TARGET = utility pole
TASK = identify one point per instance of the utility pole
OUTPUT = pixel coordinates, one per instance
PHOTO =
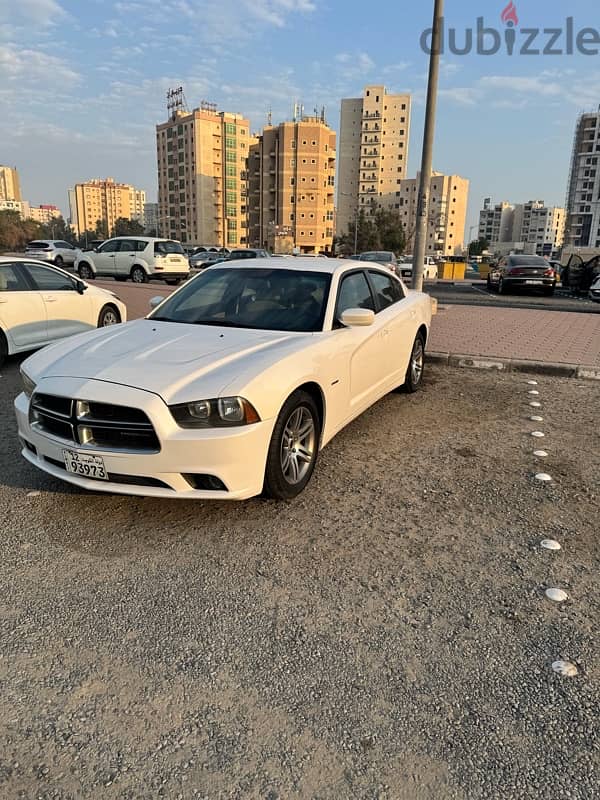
(428, 137)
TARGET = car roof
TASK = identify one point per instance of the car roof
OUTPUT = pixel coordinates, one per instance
(139, 238)
(301, 263)
(28, 259)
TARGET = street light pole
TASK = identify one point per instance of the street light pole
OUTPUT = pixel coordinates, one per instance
(428, 137)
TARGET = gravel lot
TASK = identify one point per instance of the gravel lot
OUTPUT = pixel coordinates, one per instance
(385, 635)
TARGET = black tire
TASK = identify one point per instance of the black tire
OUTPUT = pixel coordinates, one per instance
(109, 316)
(501, 287)
(138, 275)
(3, 348)
(414, 375)
(488, 282)
(58, 261)
(86, 273)
(276, 485)
(173, 282)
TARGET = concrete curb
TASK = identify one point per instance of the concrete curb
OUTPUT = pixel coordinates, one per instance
(515, 365)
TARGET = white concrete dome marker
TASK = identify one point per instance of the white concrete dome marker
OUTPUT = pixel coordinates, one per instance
(538, 434)
(535, 404)
(533, 391)
(557, 595)
(565, 668)
(543, 476)
(550, 544)
(532, 383)
(34, 493)
(536, 418)
(540, 453)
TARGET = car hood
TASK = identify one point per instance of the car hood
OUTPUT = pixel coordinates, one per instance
(173, 360)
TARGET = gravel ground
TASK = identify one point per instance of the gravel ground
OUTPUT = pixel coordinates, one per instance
(383, 636)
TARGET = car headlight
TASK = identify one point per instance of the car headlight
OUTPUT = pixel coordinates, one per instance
(223, 412)
(28, 384)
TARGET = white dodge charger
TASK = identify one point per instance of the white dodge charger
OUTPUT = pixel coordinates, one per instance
(230, 387)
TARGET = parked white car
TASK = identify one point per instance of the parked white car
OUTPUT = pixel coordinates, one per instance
(594, 292)
(405, 268)
(57, 251)
(141, 258)
(40, 304)
(230, 387)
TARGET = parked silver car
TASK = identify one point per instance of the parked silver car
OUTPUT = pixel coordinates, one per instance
(57, 251)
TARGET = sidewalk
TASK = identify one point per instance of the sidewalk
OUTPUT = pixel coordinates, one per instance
(503, 338)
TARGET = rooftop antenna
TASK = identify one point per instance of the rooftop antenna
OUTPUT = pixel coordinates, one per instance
(206, 106)
(176, 102)
(270, 117)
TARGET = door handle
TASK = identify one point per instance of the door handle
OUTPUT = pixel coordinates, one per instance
(3, 300)
(49, 299)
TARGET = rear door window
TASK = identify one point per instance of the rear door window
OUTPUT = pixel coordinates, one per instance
(387, 290)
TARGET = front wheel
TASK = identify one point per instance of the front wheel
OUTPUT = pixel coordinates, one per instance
(3, 348)
(501, 286)
(108, 316)
(416, 365)
(85, 272)
(138, 275)
(294, 447)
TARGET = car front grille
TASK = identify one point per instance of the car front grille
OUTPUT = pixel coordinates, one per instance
(85, 422)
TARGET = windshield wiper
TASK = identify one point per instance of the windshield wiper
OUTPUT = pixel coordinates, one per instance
(223, 323)
(161, 319)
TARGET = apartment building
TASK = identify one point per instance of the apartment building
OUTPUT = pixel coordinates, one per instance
(137, 203)
(21, 207)
(44, 213)
(202, 176)
(496, 222)
(448, 200)
(10, 187)
(373, 152)
(582, 227)
(101, 200)
(151, 218)
(533, 227)
(291, 185)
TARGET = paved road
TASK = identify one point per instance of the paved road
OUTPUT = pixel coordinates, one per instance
(476, 294)
(383, 637)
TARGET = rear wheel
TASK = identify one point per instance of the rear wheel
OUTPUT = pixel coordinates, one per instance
(501, 287)
(58, 261)
(416, 365)
(294, 447)
(85, 272)
(108, 316)
(138, 275)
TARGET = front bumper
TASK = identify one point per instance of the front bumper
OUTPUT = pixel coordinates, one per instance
(594, 294)
(236, 456)
(165, 275)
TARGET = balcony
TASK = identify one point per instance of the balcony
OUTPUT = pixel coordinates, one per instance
(375, 115)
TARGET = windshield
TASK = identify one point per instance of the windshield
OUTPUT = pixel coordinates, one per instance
(378, 257)
(266, 299)
(162, 248)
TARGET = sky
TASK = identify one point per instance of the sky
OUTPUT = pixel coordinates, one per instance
(83, 83)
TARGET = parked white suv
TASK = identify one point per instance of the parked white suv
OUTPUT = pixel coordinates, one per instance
(57, 251)
(141, 258)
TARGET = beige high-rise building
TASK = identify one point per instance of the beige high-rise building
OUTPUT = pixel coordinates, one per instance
(291, 186)
(137, 201)
(10, 188)
(103, 200)
(44, 213)
(373, 152)
(202, 177)
(448, 199)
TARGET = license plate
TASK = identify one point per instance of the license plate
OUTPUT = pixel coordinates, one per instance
(84, 464)
(534, 283)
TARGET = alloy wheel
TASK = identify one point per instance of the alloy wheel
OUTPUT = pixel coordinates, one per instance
(298, 445)
(416, 361)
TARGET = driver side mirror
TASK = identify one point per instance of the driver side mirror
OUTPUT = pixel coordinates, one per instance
(156, 301)
(357, 317)
(80, 286)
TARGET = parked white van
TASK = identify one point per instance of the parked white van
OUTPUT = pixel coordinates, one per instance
(141, 258)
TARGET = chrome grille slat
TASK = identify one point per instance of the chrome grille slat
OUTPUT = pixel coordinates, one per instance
(134, 432)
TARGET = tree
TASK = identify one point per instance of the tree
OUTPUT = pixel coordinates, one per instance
(128, 227)
(381, 230)
(476, 248)
(101, 231)
(390, 230)
(16, 232)
(57, 228)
